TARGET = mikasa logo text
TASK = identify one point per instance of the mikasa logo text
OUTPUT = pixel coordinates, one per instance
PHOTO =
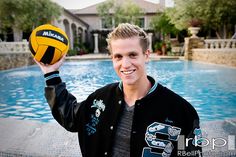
(50, 34)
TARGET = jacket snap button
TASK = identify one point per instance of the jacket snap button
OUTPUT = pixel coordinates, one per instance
(111, 127)
(119, 102)
(105, 153)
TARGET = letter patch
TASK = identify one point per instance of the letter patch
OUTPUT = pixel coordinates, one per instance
(99, 108)
(153, 141)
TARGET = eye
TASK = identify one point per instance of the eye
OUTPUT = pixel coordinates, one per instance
(117, 56)
(132, 55)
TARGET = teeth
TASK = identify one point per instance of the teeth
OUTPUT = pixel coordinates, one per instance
(128, 72)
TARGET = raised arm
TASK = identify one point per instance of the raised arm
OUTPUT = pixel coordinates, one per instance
(64, 106)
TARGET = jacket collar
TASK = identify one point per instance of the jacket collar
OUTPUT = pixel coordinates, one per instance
(153, 82)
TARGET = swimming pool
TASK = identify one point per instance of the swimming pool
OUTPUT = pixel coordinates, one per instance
(211, 89)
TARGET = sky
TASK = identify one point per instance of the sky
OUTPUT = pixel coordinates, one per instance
(78, 4)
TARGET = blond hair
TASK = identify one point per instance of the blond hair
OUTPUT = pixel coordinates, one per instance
(126, 30)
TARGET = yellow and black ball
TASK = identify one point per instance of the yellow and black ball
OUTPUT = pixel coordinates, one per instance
(48, 43)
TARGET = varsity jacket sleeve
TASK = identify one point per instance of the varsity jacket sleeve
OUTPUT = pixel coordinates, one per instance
(64, 106)
(194, 145)
(189, 141)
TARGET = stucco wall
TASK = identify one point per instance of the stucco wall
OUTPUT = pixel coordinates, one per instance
(14, 60)
(93, 21)
(220, 56)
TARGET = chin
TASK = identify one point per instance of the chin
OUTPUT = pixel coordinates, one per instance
(128, 81)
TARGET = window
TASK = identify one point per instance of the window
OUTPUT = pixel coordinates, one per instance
(141, 22)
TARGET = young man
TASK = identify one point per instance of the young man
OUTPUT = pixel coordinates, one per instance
(136, 117)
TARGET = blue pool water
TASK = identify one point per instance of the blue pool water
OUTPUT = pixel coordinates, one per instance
(211, 89)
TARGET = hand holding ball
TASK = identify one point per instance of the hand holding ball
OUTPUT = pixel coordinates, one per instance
(48, 43)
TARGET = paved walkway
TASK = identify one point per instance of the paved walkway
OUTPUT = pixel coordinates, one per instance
(31, 138)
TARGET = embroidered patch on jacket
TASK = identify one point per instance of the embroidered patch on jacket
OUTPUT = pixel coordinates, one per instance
(167, 120)
(153, 142)
(99, 107)
(197, 141)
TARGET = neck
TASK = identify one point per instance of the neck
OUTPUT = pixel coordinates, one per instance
(136, 92)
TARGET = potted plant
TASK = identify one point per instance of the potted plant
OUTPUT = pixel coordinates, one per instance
(158, 47)
(194, 28)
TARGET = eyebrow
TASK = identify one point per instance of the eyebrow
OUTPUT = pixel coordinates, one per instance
(128, 53)
(116, 55)
(133, 52)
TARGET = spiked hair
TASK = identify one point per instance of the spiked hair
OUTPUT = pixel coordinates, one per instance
(126, 30)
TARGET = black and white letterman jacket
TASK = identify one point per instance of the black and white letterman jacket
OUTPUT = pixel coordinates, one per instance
(160, 119)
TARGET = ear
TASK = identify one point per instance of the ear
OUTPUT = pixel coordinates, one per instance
(147, 55)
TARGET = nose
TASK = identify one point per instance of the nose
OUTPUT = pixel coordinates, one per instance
(126, 62)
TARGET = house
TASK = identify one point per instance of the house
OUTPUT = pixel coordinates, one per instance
(98, 30)
(84, 26)
(75, 28)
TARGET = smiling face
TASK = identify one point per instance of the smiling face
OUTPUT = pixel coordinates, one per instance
(129, 60)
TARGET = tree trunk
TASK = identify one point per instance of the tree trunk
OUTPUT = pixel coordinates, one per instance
(17, 34)
(218, 35)
(224, 31)
(5, 36)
